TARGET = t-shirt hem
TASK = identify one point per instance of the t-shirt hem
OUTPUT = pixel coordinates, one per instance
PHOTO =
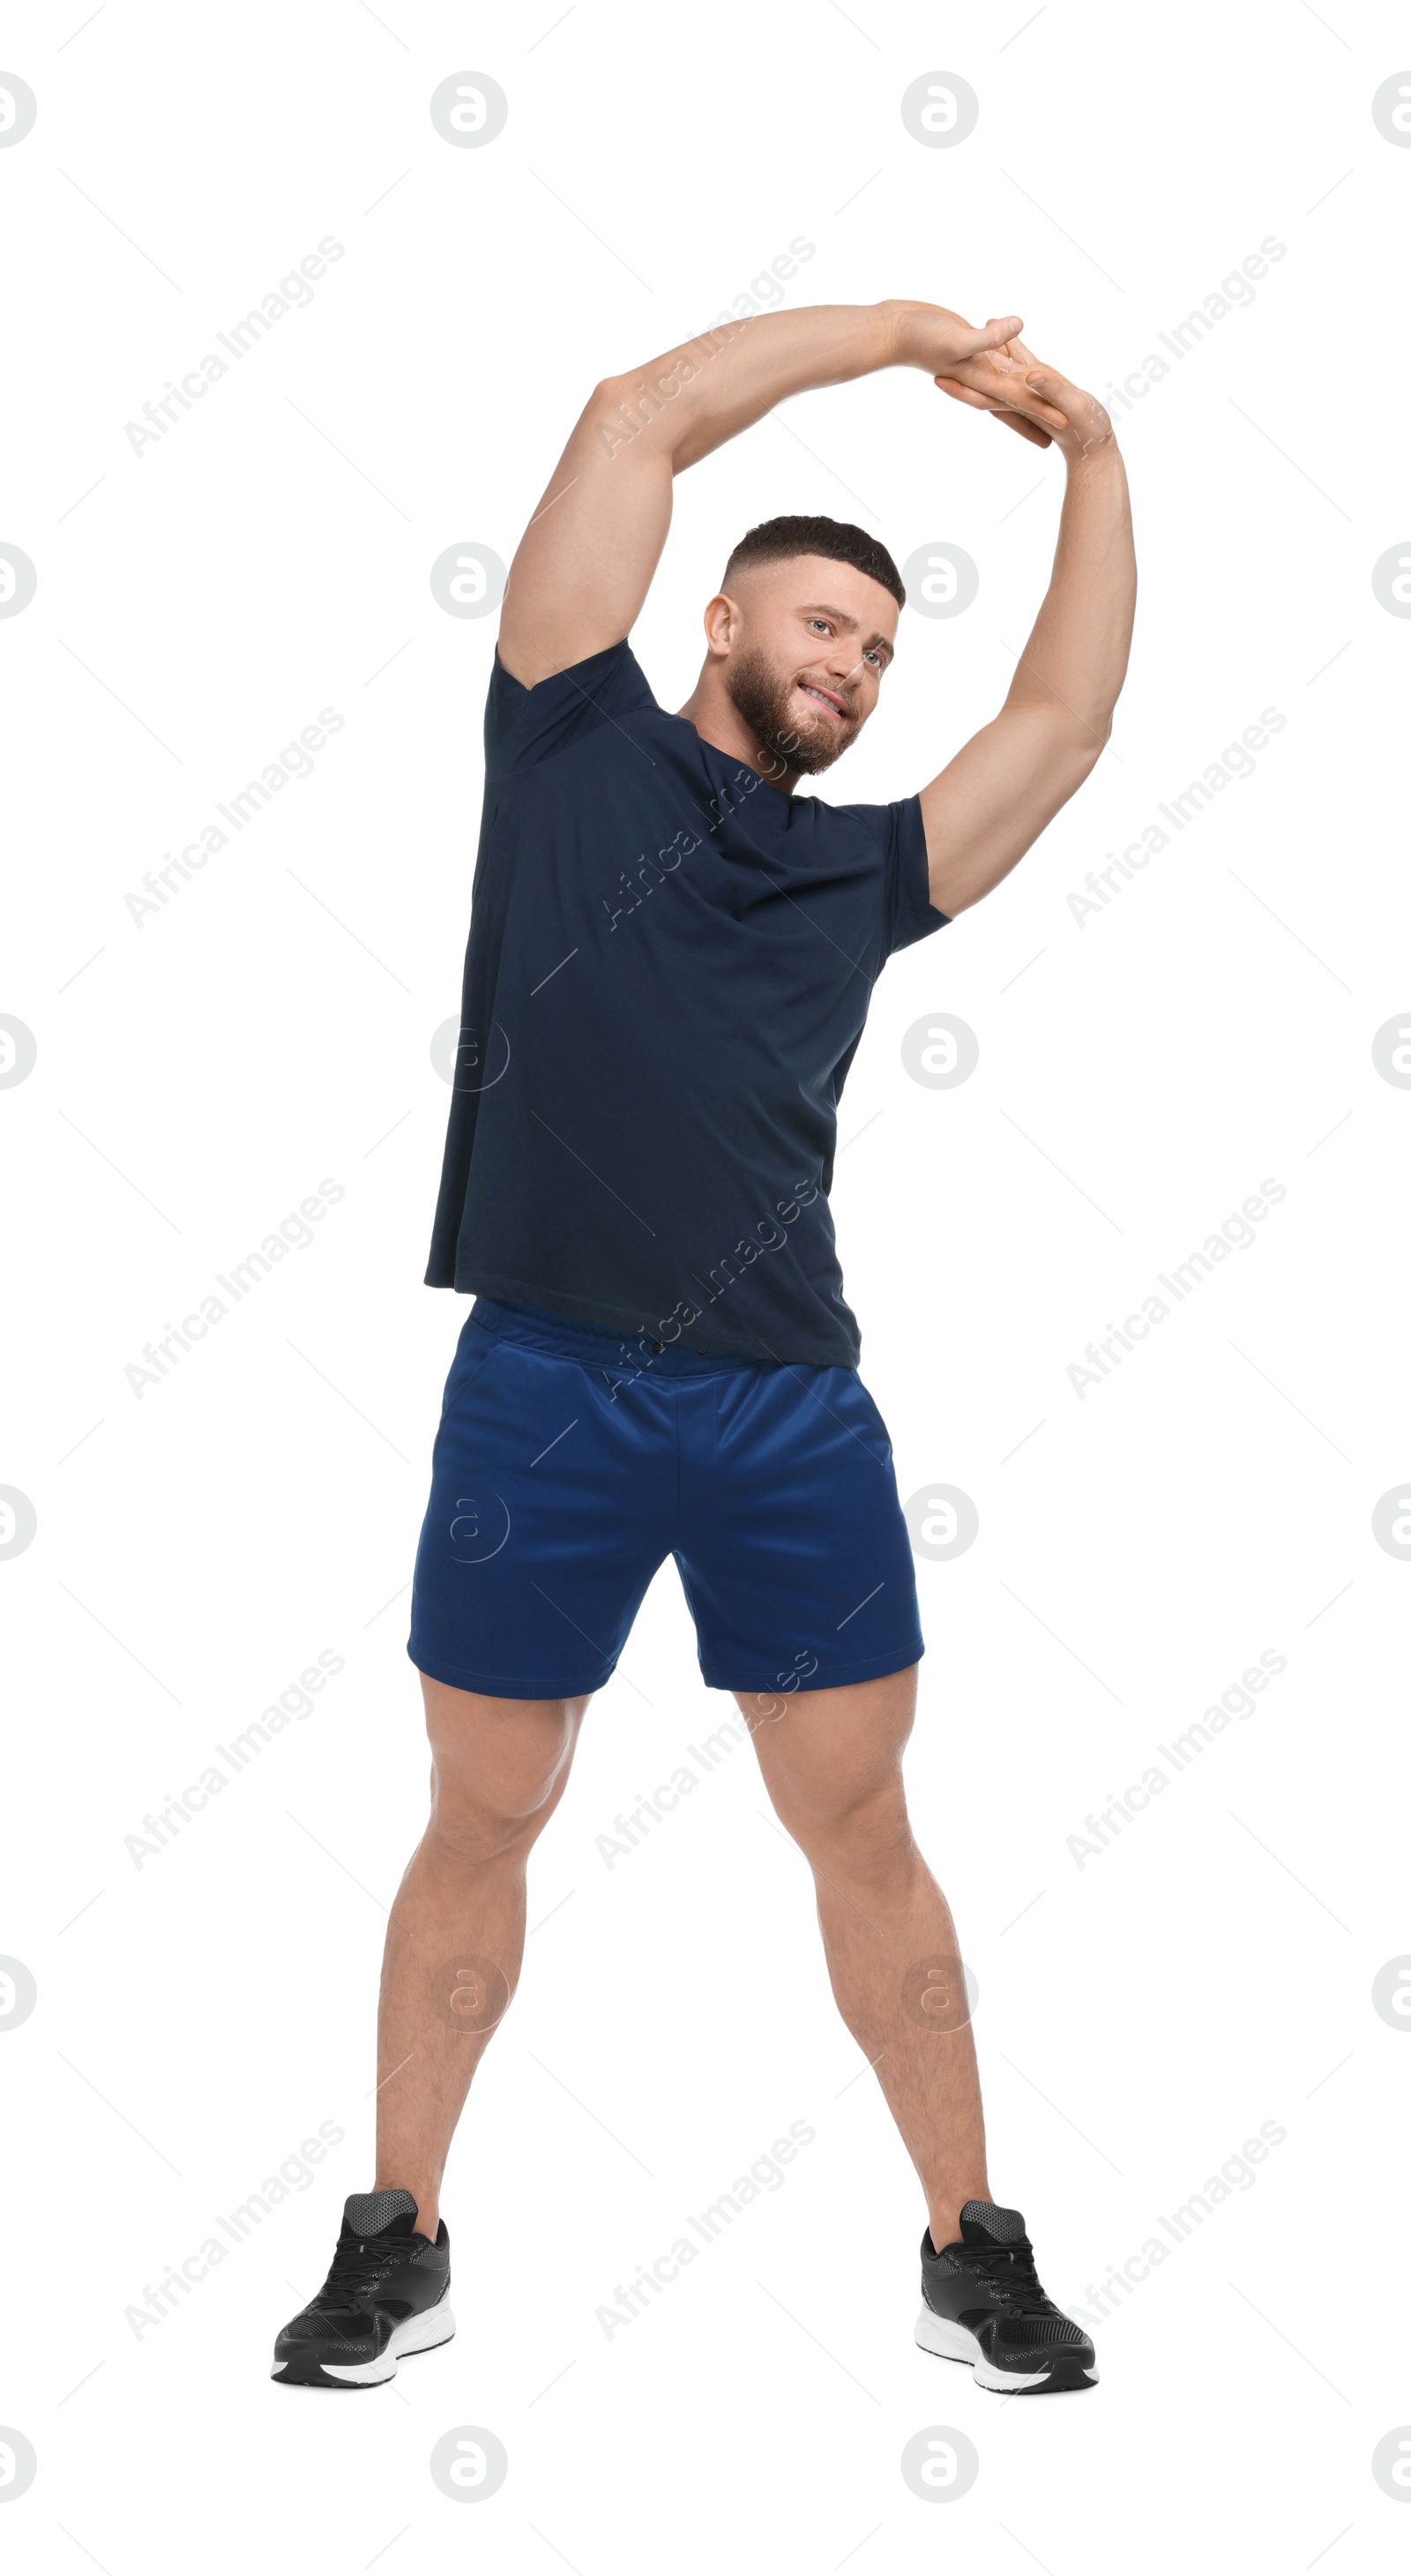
(587, 1310)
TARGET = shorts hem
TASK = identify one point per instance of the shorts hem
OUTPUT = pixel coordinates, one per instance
(503, 1685)
(875, 1669)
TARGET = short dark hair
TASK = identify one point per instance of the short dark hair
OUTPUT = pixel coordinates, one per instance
(775, 540)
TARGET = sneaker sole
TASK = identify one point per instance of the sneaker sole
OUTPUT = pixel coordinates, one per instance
(415, 2334)
(951, 2342)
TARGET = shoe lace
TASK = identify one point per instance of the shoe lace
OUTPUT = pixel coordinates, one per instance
(357, 2267)
(1008, 2273)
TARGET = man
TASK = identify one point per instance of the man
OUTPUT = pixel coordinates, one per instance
(670, 963)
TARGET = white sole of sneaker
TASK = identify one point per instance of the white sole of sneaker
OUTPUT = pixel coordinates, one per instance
(415, 2334)
(953, 2342)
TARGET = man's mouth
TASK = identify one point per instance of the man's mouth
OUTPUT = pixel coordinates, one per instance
(833, 705)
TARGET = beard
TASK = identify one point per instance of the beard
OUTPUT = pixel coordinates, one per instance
(761, 697)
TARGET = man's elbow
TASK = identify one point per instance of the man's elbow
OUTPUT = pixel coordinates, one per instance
(1084, 740)
(621, 408)
(606, 420)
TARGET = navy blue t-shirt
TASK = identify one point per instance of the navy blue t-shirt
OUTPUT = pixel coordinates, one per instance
(669, 968)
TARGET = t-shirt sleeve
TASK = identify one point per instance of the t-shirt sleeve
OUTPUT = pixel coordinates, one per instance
(911, 915)
(524, 726)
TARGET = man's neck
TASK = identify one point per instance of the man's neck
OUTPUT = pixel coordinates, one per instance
(718, 722)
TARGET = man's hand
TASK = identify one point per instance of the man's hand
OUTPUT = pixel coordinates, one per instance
(1029, 397)
(939, 342)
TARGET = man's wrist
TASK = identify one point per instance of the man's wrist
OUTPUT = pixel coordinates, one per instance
(1097, 453)
(900, 347)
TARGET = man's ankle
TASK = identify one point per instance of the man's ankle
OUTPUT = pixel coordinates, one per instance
(945, 2218)
(428, 2211)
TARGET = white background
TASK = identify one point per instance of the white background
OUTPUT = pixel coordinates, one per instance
(1139, 1076)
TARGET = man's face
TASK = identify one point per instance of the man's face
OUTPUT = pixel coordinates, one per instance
(805, 644)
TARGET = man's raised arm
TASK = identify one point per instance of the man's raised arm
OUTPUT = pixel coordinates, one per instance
(586, 560)
(990, 803)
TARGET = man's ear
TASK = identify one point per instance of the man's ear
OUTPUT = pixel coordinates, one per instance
(722, 623)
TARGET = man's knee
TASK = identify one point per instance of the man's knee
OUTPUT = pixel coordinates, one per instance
(859, 1833)
(832, 1762)
(498, 1768)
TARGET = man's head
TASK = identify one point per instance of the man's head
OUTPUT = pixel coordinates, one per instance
(800, 633)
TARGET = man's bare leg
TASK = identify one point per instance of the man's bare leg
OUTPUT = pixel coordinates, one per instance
(455, 1935)
(831, 1761)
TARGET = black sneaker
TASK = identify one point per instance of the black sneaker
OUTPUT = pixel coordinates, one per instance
(984, 2303)
(387, 2294)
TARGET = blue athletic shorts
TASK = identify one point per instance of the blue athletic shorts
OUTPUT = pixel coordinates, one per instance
(569, 1463)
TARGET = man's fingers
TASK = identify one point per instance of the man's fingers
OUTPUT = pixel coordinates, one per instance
(964, 393)
(1042, 392)
(1034, 408)
(1050, 388)
(1001, 406)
